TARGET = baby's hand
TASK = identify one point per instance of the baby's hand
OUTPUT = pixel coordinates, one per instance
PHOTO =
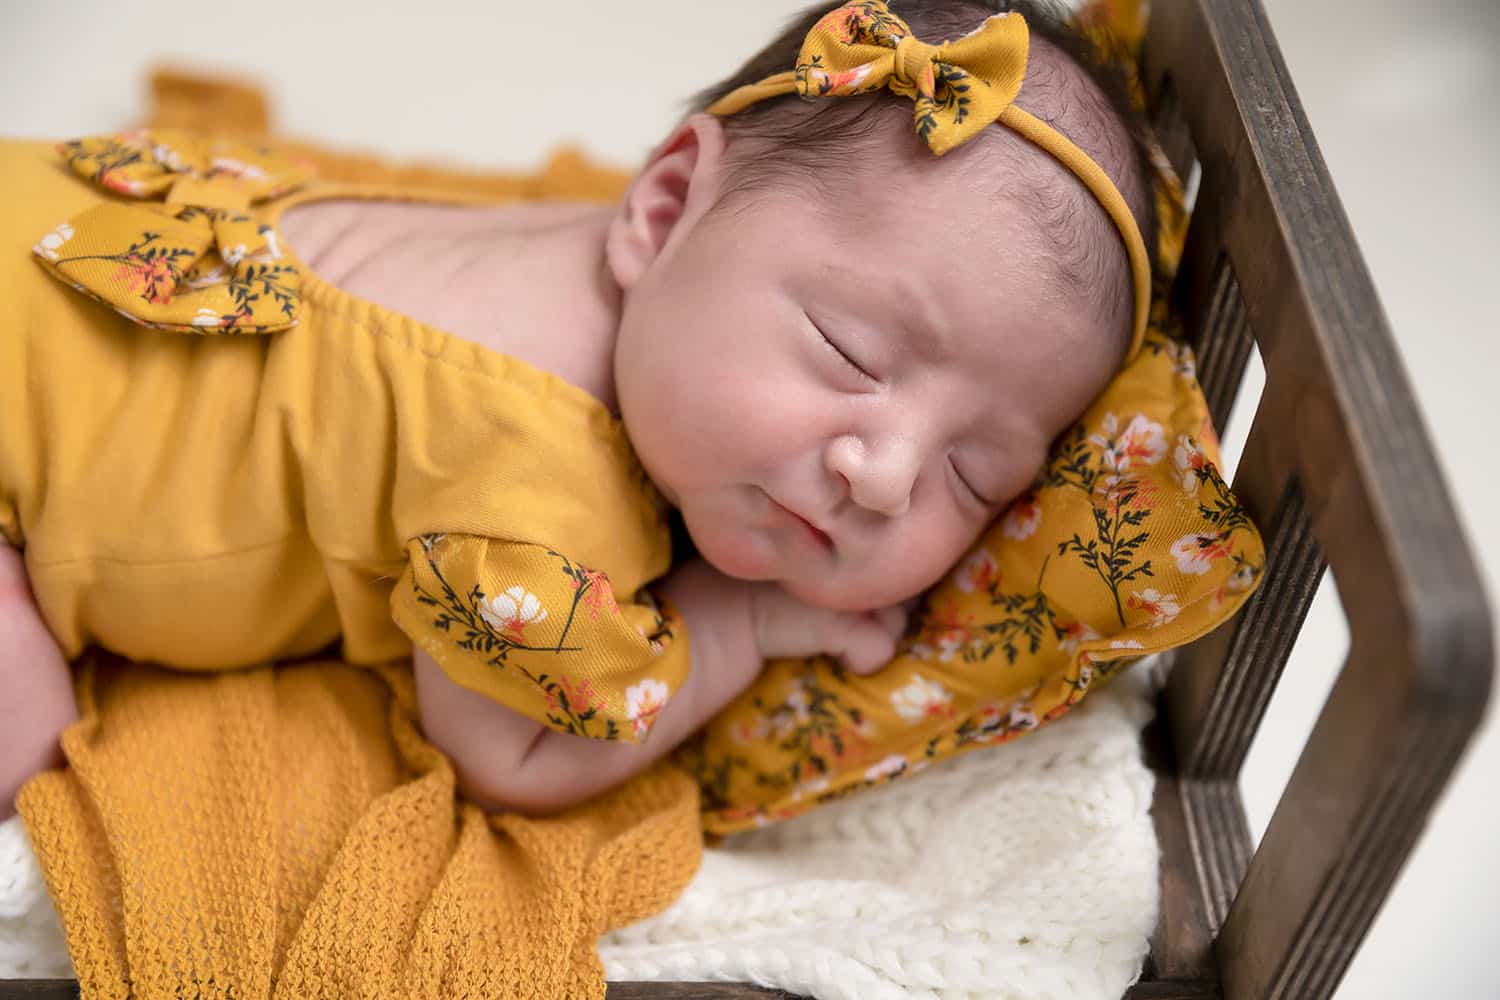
(784, 626)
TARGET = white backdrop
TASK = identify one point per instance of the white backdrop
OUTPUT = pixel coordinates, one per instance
(1399, 95)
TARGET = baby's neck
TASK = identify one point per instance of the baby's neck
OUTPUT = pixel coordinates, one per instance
(524, 280)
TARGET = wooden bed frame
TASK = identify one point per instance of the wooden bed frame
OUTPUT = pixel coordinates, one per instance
(1338, 473)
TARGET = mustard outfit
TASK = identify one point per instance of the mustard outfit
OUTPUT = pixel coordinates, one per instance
(212, 458)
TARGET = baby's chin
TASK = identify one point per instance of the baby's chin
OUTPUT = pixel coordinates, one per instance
(830, 591)
(743, 559)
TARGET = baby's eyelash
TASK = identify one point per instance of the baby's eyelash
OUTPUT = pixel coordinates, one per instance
(972, 491)
(840, 351)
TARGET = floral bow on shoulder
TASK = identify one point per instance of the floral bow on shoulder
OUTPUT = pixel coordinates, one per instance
(183, 252)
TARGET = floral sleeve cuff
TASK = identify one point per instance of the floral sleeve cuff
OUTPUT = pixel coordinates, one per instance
(541, 634)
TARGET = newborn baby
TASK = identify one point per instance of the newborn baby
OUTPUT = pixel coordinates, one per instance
(837, 355)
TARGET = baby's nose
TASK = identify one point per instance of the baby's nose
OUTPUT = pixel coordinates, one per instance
(880, 479)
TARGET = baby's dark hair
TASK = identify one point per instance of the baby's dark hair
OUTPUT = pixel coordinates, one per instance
(1067, 85)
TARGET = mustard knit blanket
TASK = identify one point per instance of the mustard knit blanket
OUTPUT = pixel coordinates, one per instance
(288, 832)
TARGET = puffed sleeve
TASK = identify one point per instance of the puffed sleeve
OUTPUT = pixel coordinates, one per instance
(541, 634)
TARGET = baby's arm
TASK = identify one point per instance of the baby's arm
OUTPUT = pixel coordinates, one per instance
(36, 689)
(505, 761)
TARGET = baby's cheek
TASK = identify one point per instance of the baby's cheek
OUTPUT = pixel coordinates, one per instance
(928, 551)
(730, 547)
(899, 570)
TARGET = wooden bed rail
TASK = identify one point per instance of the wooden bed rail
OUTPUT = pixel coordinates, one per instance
(1337, 467)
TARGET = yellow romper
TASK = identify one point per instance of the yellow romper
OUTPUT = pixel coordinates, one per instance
(211, 458)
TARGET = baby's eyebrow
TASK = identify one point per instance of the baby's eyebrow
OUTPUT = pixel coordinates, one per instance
(935, 339)
(894, 308)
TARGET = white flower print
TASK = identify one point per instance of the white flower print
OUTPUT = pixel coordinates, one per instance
(1125, 644)
(1240, 580)
(168, 157)
(1142, 442)
(844, 81)
(811, 786)
(1074, 635)
(922, 651)
(1021, 520)
(273, 249)
(797, 701)
(1184, 364)
(1188, 458)
(951, 642)
(48, 245)
(1020, 716)
(1161, 607)
(794, 711)
(920, 699)
(512, 611)
(977, 572)
(989, 714)
(216, 276)
(643, 701)
(207, 317)
(237, 168)
(892, 765)
(1196, 553)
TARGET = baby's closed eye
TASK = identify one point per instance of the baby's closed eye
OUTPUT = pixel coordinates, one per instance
(973, 492)
(839, 347)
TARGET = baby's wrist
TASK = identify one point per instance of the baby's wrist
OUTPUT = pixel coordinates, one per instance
(718, 610)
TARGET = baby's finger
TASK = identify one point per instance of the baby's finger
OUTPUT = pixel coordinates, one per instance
(866, 644)
(894, 619)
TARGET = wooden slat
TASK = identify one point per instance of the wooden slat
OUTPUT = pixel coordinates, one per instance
(1223, 343)
(1174, 991)
(38, 989)
(1339, 420)
(1220, 840)
(694, 991)
(1355, 804)
(1182, 942)
(1219, 712)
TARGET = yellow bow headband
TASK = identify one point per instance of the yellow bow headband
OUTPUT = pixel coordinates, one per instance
(959, 88)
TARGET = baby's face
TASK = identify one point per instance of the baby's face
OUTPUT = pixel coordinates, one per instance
(843, 404)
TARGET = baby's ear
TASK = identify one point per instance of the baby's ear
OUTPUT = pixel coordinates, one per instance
(676, 188)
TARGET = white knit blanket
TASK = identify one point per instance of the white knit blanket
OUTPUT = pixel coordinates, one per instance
(1026, 870)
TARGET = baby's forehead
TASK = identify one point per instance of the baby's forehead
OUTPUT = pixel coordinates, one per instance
(949, 247)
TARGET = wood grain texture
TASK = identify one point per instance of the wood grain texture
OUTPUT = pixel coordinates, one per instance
(1174, 991)
(694, 991)
(38, 989)
(1182, 943)
(1223, 343)
(1250, 662)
